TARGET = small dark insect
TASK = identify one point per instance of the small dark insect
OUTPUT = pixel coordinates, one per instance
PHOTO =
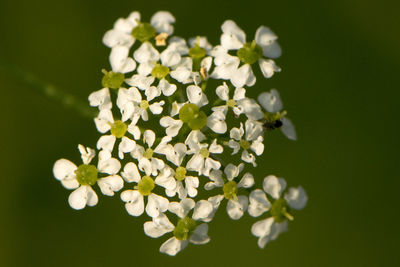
(273, 125)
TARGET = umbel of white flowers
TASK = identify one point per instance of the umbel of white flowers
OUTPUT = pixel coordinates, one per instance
(180, 137)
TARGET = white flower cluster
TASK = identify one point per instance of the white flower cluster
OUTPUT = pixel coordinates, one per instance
(175, 119)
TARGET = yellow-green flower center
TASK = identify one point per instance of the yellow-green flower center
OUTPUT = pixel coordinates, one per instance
(244, 144)
(231, 103)
(145, 186)
(250, 53)
(143, 32)
(86, 174)
(184, 228)
(230, 190)
(180, 173)
(118, 128)
(204, 152)
(280, 211)
(112, 80)
(197, 52)
(159, 71)
(148, 153)
(144, 104)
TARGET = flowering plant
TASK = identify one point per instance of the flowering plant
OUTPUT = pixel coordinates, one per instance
(179, 135)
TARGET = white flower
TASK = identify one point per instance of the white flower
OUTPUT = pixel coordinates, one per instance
(186, 229)
(237, 205)
(147, 162)
(201, 160)
(83, 177)
(134, 199)
(252, 141)
(121, 33)
(104, 123)
(269, 229)
(272, 103)
(133, 106)
(236, 103)
(234, 38)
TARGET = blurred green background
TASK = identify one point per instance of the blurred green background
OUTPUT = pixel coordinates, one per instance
(340, 84)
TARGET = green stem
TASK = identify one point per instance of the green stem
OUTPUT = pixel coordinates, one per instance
(48, 90)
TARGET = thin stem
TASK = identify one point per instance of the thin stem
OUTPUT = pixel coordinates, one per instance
(48, 90)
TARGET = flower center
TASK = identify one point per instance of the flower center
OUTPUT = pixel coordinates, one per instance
(145, 186)
(193, 116)
(197, 52)
(204, 152)
(86, 174)
(148, 153)
(118, 129)
(144, 104)
(184, 228)
(180, 173)
(112, 80)
(230, 190)
(143, 32)
(250, 53)
(231, 103)
(159, 71)
(280, 211)
(244, 144)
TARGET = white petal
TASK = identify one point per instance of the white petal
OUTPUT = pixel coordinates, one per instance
(215, 201)
(196, 95)
(182, 208)
(191, 183)
(274, 186)
(103, 120)
(265, 37)
(239, 94)
(271, 101)
(222, 92)
(119, 60)
(262, 228)
(170, 57)
(233, 37)
(249, 158)
(158, 227)
(108, 165)
(181, 74)
(272, 51)
(251, 109)
(157, 107)
(134, 130)
(195, 163)
(101, 99)
(231, 171)
(166, 179)
(172, 246)
(131, 173)
(152, 92)
(156, 204)
(149, 137)
(87, 154)
(114, 37)
(110, 184)
(257, 146)
(288, 129)
(216, 122)
(243, 76)
(236, 209)
(126, 146)
(216, 178)
(210, 164)
(237, 133)
(140, 82)
(200, 235)
(202, 210)
(268, 67)
(258, 203)
(106, 142)
(64, 169)
(247, 181)
(162, 21)
(173, 126)
(167, 88)
(296, 198)
(134, 202)
(146, 52)
(81, 197)
(234, 145)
